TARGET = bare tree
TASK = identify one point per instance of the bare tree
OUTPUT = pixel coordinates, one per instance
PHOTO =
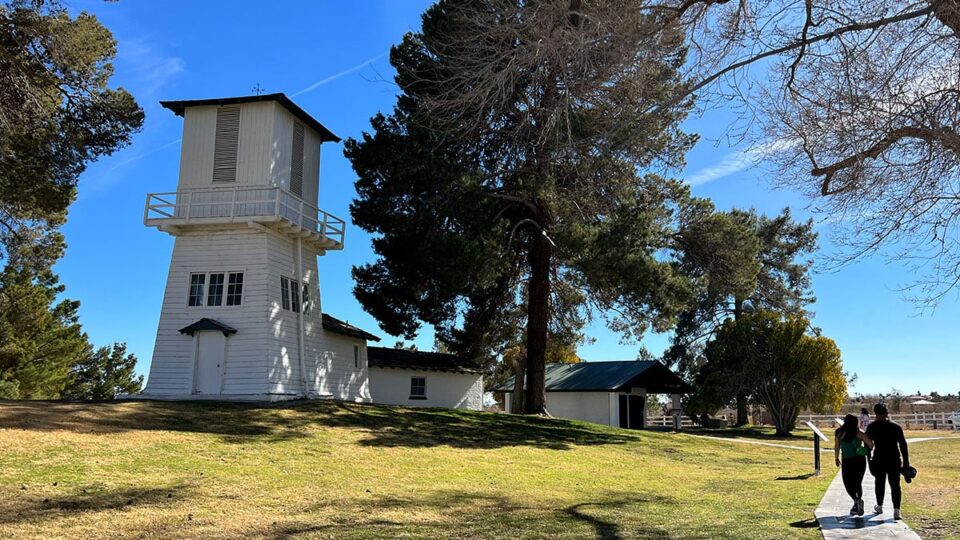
(859, 101)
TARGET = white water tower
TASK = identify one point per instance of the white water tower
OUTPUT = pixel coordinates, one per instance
(241, 315)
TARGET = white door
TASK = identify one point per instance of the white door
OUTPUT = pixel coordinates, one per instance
(211, 345)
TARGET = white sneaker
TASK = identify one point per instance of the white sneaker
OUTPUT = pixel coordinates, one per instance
(877, 509)
(896, 514)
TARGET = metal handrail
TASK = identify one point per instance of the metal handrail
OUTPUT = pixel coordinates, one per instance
(230, 203)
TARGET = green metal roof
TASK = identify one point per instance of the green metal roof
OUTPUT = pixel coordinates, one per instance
(608, 377)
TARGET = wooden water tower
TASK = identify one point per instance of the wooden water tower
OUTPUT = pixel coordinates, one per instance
(241, 315)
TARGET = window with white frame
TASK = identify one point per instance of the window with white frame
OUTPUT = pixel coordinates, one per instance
(293, 298)
(207, 289)
(215, 290)
(234, 289)
(418, 388)
(197, 282)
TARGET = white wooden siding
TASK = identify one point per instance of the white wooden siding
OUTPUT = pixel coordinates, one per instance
(264, 154)
(328, 357)
(262, 357)
(247, 365)
(391, 386)
(283, 122)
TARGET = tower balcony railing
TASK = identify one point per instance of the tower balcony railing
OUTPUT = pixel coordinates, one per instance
(241, 204)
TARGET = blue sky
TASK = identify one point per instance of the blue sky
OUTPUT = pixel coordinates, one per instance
(332, 56)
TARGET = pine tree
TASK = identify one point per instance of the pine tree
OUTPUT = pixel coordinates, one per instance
(103, 374)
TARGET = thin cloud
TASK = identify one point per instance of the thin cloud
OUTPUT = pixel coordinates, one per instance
(143, 155)
(735, 162)
(149, 67)
(336, 76)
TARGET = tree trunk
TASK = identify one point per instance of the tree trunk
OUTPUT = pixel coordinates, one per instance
(742, 419)
(517, 398)
(742, 415)
(538, 318)
(784, 418)
(948, 12)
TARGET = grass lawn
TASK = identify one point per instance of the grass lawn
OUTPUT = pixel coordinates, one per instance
(931, 504)
(322, 469)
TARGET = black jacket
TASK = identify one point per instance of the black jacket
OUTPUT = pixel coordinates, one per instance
(889, 442)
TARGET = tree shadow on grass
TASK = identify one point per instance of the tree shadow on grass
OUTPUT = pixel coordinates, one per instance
(403, 427)
(797, 477)
(261, 422)
(28, 507)
(455, 514)
(233, 422)
(606, 529)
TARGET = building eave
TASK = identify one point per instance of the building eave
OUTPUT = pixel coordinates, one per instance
(179, 106)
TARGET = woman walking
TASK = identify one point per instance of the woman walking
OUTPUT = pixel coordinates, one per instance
(850, 449)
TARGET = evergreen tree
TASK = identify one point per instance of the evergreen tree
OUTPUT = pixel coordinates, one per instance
(103, 374)
(514, 169)
(773, 274)
(57, 112)
(40, 337)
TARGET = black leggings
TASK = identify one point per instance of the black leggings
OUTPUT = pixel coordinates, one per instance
(852, 470)
(883, 471)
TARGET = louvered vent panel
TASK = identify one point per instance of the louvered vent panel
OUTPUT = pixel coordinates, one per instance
(226, 144)
(296, 164)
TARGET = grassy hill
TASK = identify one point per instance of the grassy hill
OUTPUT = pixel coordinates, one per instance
(329, 470)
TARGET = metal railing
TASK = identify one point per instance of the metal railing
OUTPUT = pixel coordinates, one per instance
(241, 202)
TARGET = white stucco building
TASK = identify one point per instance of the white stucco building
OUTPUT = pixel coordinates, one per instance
(242, 315)
(610, 393)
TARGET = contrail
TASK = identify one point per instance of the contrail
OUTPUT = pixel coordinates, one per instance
(143, 155)
(336, 76)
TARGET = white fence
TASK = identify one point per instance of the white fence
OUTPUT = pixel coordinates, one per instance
(940, 420)
(667, 421)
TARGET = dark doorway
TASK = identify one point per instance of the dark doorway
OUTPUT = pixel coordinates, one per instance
(631, 411)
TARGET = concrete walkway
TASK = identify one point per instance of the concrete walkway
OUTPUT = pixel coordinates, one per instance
(835, 520)
(833, 514)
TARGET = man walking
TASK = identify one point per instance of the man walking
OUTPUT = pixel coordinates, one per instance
(889, 446)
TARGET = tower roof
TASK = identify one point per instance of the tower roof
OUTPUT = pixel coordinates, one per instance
(178, 106)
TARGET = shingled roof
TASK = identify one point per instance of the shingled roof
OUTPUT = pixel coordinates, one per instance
(178, 106)
(335, 325)
(384, 357)
(608, 377)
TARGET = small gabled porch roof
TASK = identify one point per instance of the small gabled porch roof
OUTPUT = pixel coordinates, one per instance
(208, 324)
